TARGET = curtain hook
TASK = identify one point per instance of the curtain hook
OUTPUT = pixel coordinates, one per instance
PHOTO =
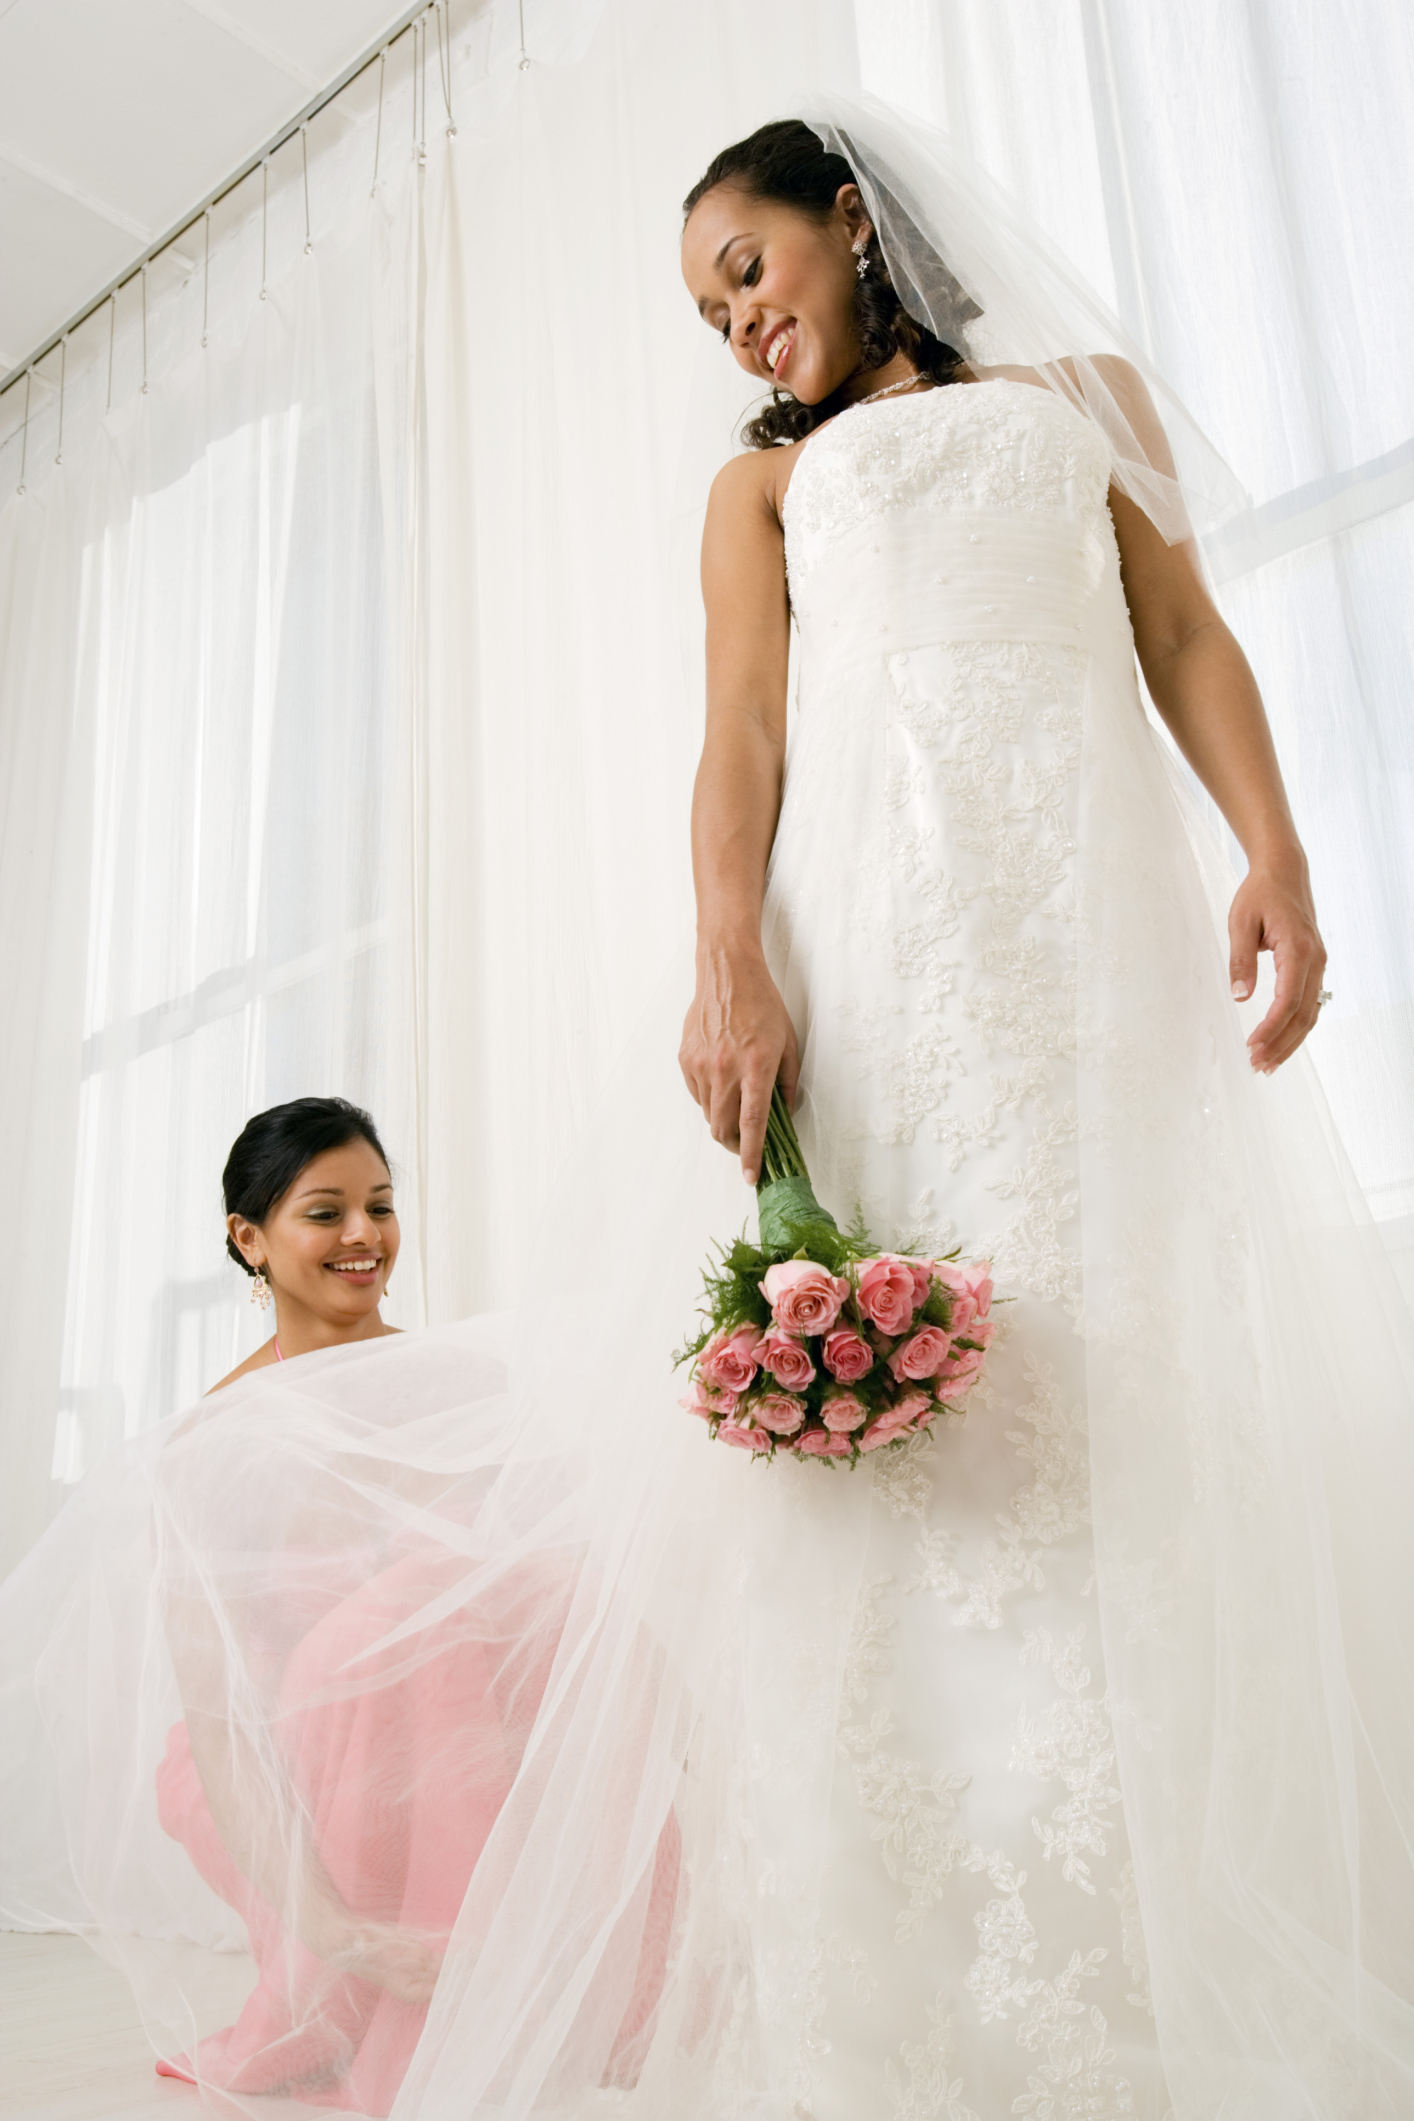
(264, 218)
(378, 135)
(206, 280)
(144, 327)
(63, 373)
(24, 445)
(112, 326)
(304, 152)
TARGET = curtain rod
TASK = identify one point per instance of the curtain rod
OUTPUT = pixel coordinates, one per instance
(227, 185)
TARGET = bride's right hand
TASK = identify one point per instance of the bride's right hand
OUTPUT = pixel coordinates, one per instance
(737, 1041)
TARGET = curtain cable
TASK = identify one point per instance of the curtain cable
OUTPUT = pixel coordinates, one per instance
(24, 445)
(422, 132)
(63, 373)
(524, 60)
(419, 103)
(144, 327)
(378, 135)
(444, 65)
(206, 280)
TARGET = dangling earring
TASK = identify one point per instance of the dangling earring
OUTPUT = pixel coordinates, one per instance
(260, 1289)
(860, 247)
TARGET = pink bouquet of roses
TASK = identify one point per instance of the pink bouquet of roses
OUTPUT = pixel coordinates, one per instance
(819, 1344)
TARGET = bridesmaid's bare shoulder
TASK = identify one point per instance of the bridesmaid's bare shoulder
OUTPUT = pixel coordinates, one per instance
(261, 1360)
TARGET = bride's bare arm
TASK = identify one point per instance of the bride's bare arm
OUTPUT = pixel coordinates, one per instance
(738, 1036)
(1202, 685)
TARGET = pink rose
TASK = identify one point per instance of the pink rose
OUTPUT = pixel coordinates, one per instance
(843, 1411)
(970, 1288)
(961, 1373)
(785, 1358)
(728, 1360)
(742, 1439)
(922, 1272)
(822, 1443)
(921, 1356)
(804, 1297)
(780, 1412)
(846, 1356)
(979, 1281)
(712, 1406)
(960, 1297)
(874, 1439)
(910, 1410)
(886, 1288)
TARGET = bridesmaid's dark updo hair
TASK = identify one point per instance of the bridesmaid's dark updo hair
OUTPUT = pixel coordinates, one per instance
(788, 162)
(271, 1150)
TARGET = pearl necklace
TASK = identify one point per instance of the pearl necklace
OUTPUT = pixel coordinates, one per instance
(889, 389)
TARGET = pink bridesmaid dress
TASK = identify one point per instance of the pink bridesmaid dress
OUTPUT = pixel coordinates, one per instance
(401, 1782)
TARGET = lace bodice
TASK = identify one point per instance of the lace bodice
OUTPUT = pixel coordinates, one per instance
(983, 447)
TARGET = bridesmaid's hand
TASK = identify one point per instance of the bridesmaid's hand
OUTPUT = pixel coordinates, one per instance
(737, 1041)
(404, 1965)
(1273, 911)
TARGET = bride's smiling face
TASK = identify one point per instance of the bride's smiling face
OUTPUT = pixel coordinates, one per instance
(778, 284)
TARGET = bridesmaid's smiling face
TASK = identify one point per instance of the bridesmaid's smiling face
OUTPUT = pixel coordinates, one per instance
(330, 1242)
(778, 284)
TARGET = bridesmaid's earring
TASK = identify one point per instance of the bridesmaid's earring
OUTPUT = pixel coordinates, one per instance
(260, 1289)
(860, 246)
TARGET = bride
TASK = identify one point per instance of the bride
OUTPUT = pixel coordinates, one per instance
(969, 577)
(1060, 1763)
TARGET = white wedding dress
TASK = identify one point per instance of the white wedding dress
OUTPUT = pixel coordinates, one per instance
(1058, 1764)
(953, 572)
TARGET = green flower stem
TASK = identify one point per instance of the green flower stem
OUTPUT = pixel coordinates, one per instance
(782, 1156)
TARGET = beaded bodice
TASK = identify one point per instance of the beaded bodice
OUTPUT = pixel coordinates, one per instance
(982, 447)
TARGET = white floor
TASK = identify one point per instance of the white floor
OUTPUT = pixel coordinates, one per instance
(72, 2047)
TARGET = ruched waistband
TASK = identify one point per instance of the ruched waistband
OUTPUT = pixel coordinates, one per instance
(914, 577)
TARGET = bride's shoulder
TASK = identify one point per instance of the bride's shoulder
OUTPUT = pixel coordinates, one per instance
(754, 483)
(1112, 372)
(1112, 369)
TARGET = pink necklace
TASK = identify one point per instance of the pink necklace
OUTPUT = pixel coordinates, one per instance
(278, 1356)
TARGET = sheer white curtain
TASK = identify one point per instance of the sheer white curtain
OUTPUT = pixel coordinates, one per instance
(351, 671)
(351, 693)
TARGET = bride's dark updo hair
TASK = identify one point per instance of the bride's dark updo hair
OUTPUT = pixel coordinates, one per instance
(788, 162)
(271, 1150)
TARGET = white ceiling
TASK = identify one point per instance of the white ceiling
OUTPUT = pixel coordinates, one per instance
(118, 116)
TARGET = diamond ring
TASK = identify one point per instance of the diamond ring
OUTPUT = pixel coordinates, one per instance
(1323, 997)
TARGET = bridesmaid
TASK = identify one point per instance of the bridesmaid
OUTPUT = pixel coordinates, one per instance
(355, 1715)
(350, 1886)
